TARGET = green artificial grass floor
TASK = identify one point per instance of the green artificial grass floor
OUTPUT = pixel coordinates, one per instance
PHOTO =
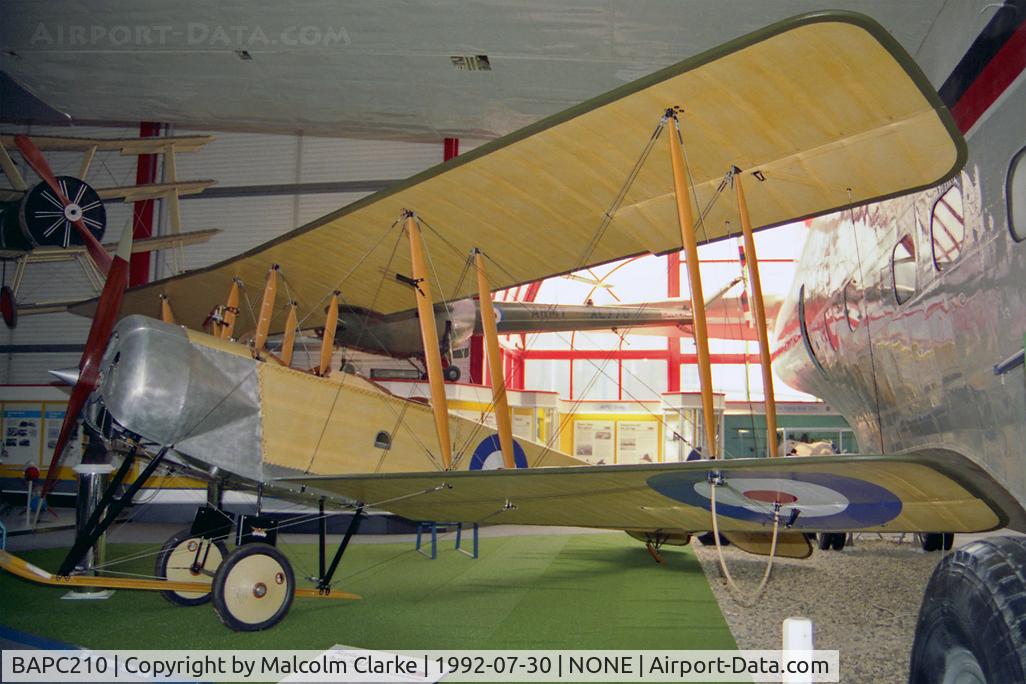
(589, 591)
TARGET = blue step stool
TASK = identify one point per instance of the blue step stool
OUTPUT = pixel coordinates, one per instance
(446, 526)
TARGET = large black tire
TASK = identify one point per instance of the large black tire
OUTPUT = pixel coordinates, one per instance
(452, 373)
(948, 540)
(254, 587)
(176, 558)
(931, 541)
(972, 623)
(838, 541)
(707, 539)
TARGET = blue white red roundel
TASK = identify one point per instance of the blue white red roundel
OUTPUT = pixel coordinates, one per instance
(488, 455)
(825, 501)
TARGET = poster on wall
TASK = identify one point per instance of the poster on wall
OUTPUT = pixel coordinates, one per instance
(637, 441)
(523, 426)
(22, 426)
(593, 441)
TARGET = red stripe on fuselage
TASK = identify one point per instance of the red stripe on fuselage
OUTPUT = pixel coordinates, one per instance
(995, 78)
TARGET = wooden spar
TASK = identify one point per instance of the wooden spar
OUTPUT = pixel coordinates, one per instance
(289, 341)
(760, 316)
(266, 310)
(328, 339)
(231, 312)
(491, 340)
(690, 243)
(166, 314)
(11, 171)
(429, 336)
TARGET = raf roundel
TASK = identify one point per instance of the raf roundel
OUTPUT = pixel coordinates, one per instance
(824, 501)
(488, 455)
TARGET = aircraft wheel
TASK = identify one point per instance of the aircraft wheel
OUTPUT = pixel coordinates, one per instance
(253, 588)
(948, 540)
(174, 562)
(972, 624)
(838, 541)
(451, 373)
(931, 541)
(707, 539)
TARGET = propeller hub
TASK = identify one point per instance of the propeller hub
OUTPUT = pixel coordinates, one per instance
(72, 212)
(69, 376)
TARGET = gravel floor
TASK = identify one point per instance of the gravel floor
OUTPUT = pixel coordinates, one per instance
(863, 601)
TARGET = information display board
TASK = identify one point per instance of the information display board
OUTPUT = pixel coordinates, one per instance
(637, 441)
(593, 441)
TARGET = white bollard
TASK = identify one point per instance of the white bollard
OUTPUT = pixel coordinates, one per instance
(798, 637)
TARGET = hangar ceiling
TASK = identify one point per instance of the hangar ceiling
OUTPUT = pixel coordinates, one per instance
(381, 69)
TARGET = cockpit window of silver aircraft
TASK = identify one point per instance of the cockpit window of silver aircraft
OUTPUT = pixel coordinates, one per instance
(947, 228)
(804, 325)
(1016, 194)
(852, 305)
(903, 265)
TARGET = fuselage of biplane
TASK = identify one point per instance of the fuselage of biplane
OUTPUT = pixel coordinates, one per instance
(224, 412)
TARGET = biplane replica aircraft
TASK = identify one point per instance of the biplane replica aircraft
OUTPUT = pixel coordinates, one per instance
(44, 223)
(805, 117)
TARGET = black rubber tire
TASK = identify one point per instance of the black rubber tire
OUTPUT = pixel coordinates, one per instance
(948, 541)
(707, 539)
(452, 373)
(973, 618)
(931, 541)
(225, 575)
(823, 540)
(839, 539)
(160, 568)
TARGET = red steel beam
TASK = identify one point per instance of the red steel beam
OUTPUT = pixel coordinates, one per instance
(143, 213)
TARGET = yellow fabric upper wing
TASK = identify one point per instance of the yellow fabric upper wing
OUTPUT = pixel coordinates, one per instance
(816, 106)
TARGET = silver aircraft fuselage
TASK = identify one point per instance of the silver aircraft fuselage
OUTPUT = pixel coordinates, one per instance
(901, 330)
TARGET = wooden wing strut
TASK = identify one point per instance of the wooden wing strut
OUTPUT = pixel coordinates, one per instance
(491, 339)
(429, 336)
(760, 317)
(685, 217)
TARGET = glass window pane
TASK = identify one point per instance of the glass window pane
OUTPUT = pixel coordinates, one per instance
(1016, 192)
(643, 379)
(903, 264)
(803, 324)
(595, 379)
(852, 305)
(553, 376)
(947, 228)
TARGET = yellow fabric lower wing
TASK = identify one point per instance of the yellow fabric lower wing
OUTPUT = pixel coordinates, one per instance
(929, 491)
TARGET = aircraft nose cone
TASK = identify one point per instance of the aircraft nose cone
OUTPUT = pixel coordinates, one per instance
(69, 376)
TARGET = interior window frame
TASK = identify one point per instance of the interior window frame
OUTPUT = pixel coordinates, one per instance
(933, 221)
(1016, 164)
(894, 271)
(851, 285)
(803, 328)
